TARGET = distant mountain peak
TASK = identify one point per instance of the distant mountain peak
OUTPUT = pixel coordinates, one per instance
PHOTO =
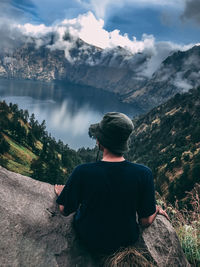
(115, 69)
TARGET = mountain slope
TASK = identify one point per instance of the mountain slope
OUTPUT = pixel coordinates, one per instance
(177, 74)
(167, 139)
(26, 147)
(116, 70)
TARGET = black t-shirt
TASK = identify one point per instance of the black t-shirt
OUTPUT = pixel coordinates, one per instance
(106, 197)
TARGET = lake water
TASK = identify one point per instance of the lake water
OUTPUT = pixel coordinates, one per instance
(68, 109)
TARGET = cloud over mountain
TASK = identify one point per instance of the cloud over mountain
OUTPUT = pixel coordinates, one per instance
(65, 35)
(91, 30)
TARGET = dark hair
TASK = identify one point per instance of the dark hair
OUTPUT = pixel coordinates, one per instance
(114, 153)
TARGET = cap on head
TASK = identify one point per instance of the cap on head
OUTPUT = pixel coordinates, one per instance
(113, 131)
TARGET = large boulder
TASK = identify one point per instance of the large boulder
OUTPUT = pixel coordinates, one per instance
(34, 233)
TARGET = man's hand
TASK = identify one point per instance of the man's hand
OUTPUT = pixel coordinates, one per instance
(162, 212)
(148, 220)
(58, 188)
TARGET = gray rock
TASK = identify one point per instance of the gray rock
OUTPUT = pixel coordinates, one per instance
(162, 245)
(34, 233)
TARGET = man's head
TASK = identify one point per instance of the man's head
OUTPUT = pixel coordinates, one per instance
(113, 132)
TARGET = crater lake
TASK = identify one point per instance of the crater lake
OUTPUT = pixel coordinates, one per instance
(67, 109)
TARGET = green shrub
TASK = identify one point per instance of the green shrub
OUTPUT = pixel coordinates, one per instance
(189, 239)
(187, 225)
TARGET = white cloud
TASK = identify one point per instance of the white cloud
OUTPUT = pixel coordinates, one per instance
(160, 52)
(182, 83)
(91, 31)
(34, 30)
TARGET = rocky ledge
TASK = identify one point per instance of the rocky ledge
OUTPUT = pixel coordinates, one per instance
(34, 233)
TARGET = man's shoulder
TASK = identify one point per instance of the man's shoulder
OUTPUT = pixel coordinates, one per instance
(141, 172)
(139, 167)
(135, 168)
(85, 166)
(82, 169)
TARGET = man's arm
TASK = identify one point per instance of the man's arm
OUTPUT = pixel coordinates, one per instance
(58, 189)
(69, 195)
(148, 221)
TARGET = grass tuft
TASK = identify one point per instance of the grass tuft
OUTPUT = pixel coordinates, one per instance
(187, 224)
(127, 257)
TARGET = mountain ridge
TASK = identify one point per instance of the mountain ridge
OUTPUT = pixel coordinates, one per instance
(178, 73)
(116, 70)
(167, 140)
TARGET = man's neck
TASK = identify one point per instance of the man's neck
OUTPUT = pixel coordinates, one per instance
(108, 156)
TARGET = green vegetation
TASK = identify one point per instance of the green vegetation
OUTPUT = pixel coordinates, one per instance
(27, 148)
(167, 139)
(187, 224)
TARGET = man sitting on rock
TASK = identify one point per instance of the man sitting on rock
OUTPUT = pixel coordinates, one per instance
(107, 195)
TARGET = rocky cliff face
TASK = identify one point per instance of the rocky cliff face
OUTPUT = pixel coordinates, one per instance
(177, 74)
(33, 233)
(82, 64)
(116, 70)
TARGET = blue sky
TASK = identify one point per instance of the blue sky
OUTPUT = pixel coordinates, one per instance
(164, 23)
(177, 21)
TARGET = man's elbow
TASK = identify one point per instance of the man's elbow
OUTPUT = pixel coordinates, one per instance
(145, 222)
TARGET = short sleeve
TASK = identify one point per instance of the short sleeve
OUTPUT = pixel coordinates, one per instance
(146, 204)
(70, 196)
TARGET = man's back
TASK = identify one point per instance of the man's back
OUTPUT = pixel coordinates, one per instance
(106, 196)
